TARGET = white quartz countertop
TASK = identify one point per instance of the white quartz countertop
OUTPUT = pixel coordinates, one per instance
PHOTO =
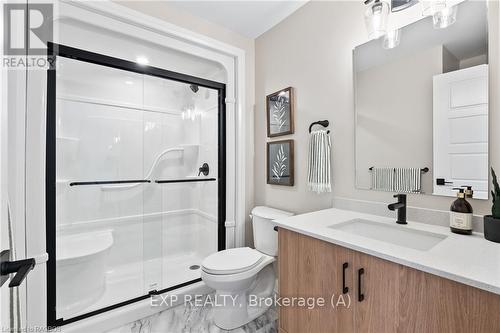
(471, 260)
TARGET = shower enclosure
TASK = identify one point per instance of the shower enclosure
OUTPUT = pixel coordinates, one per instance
(135, 181)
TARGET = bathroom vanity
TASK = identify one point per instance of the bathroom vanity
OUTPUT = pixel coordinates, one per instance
(414, 278)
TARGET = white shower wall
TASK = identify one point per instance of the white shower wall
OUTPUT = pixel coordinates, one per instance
(112, 125)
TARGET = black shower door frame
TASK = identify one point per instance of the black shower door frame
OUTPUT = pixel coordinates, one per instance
(57, 50)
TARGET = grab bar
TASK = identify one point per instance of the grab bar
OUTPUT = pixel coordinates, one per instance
(185, 180)
(106, 182)
(148, 175)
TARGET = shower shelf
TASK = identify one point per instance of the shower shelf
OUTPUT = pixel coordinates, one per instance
(188, 180)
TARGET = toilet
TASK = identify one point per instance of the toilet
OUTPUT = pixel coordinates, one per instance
(243, 277)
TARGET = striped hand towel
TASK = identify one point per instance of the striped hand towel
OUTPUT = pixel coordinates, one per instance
(403, 180)
(407, 180)
(383, 179)
(318, 176)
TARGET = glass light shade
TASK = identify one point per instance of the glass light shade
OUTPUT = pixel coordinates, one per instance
(392, 39)
(376, 19)
(430, 7)
(445, 17)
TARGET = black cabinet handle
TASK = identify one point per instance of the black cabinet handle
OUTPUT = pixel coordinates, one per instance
(361, 296)
(442, 182)
(345, 289)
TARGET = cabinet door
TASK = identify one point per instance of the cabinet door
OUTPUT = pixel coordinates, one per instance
(310, 267)
(402, 299)
(429, 303)
(378, 283)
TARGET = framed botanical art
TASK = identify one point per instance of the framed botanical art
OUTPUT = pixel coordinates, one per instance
(280, 168)
(280, 108)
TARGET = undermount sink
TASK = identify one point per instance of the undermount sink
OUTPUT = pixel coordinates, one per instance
(394, 234)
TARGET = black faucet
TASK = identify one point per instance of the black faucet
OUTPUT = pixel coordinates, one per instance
(401, 207)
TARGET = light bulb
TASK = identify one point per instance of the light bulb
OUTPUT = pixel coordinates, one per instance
(376, 19)
(392, 39)
(445, 17)
(430, 7)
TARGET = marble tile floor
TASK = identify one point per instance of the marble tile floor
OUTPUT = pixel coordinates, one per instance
(192, 319)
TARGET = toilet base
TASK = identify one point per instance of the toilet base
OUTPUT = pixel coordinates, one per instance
(236, 309)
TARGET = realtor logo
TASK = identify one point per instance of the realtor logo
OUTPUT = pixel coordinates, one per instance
(27, 29)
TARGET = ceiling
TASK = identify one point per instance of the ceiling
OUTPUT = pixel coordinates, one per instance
(248, 18)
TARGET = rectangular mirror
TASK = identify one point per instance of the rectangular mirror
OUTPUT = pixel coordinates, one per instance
(421, 108)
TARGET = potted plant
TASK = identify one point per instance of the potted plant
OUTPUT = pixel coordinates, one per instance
(492, 222)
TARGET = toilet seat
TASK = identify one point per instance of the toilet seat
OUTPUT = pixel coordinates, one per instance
(232, 261)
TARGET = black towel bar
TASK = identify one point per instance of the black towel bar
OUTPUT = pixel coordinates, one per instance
(109, 182)
(193, 180)
(424, 170)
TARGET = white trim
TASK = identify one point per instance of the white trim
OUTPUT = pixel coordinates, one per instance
(126, 21)
(124, 14)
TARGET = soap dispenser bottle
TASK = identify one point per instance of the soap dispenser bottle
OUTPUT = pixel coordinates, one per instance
(461, 214)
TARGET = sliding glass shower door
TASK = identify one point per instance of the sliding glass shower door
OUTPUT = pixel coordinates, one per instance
(135, 181)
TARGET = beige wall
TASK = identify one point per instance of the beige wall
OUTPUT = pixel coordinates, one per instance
(164, 11)
(312, 51)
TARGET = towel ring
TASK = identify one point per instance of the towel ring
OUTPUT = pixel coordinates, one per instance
(324, 123)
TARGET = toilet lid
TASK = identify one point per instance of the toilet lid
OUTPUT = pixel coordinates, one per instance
(232, 261)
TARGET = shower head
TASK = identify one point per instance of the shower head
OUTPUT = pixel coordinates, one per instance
(194, 88)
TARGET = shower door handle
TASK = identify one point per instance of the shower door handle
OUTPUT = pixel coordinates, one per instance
(20, 267)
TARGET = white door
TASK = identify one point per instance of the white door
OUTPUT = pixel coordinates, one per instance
(460, 109)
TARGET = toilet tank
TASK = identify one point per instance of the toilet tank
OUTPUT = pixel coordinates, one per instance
(264, 237)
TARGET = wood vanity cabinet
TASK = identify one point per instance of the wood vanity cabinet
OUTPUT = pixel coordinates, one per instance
(394, 298)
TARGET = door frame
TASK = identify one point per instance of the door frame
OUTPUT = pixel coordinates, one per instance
(58, 50)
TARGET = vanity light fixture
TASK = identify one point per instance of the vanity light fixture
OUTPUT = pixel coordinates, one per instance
(444, 18)
(376, 18)
(443, 14)
(392, 39)
(430, 7)
(399, 5)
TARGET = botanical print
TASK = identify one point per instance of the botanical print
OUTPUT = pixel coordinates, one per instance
(279, 166)
(280, 113)
(280, 162)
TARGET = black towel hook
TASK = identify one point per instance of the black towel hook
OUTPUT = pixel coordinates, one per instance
(324, 123)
